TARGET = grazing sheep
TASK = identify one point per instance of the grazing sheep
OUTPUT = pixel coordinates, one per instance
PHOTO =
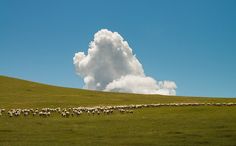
(36, 111)
(48, 113)
(97, 110)
(2, 110)
(17, 113)
(40, 113)
(122, 111)
(78, 113)
(88, 112)
(10, 114)
(26, 113)
(63, 114)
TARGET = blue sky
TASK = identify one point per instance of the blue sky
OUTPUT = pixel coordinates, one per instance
(191, 42)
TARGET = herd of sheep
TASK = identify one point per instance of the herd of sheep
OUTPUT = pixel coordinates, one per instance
(96, 110)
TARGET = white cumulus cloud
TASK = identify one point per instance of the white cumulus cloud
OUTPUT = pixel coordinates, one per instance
(110, 65)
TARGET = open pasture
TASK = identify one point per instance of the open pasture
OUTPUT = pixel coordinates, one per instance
(166, 125)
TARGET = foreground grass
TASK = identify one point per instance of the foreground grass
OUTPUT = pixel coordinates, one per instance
(154, 126)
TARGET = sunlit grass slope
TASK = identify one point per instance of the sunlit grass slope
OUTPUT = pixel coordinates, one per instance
(165, 126)
(21, 93)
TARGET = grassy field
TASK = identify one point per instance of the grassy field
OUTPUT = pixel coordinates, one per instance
(174, 126)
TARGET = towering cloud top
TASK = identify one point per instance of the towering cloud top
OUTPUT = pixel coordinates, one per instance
(111, 66)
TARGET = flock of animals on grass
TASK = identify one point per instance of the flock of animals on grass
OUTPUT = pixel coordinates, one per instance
(97, 110)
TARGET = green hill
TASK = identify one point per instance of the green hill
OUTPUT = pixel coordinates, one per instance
(20, 93)
(169, 126)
